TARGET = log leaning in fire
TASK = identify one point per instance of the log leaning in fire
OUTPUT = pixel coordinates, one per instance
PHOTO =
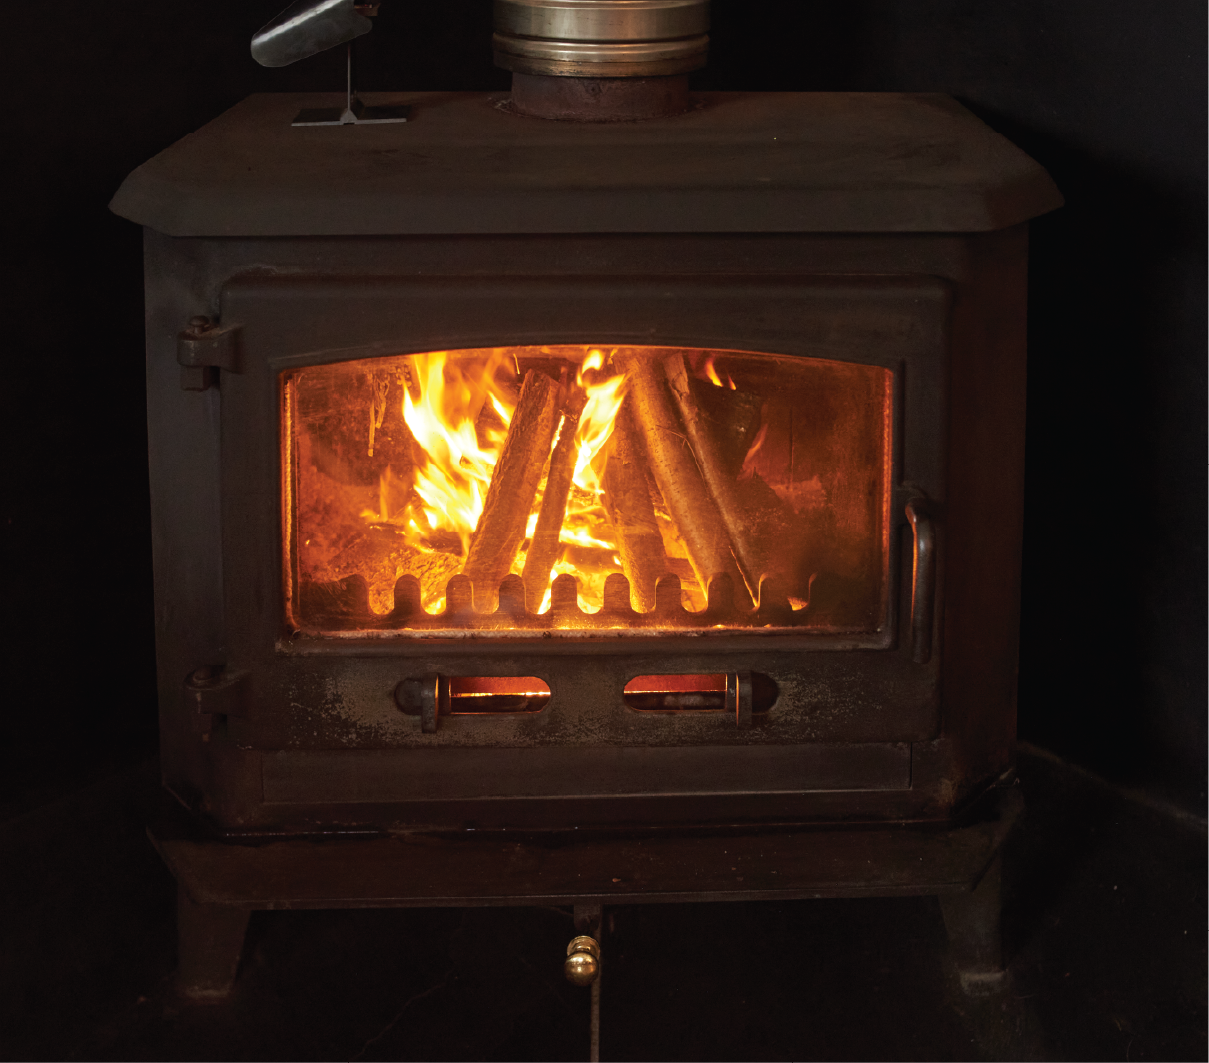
(734, 419)
(628, 502)
(501, 528)
(712, 462)
(544, 548)
(676, 470)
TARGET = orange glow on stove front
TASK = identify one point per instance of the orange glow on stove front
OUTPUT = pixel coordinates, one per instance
(585, 488)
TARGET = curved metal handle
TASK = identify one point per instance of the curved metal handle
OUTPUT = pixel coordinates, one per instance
(923, 580)
(308, 27)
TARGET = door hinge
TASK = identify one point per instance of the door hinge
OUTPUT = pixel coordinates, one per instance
(203, 349)
(217, 693)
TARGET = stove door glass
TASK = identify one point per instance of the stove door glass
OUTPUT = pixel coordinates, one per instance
(586, 488)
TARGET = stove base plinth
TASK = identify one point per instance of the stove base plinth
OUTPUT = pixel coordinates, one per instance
(222, 882)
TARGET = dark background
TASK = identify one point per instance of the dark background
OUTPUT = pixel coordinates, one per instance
(1109, 95)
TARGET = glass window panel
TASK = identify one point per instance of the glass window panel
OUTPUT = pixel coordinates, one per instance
(586, 487)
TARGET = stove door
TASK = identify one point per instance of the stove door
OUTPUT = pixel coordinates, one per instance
(742, 476)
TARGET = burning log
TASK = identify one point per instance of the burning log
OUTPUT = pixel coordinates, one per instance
(501, 528)
(713, 465)
(735, 420)
(544, 548)
(628, 503)
(676, 470)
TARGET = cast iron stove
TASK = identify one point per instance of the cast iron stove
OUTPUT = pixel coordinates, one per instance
(655, 486)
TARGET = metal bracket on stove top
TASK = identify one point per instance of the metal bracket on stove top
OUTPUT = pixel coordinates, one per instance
(355, 111)
(308, 27)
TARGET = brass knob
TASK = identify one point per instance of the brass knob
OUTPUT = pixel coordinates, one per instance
(583, 960)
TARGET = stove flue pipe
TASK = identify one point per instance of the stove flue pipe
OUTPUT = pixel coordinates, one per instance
(600, 60)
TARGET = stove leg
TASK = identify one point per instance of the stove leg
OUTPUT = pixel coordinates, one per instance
(209, 939)
(973, 921)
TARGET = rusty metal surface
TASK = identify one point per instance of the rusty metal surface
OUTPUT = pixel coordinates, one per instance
(736, 162)
(599, 99)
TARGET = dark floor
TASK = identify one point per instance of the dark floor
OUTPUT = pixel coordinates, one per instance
(1105, 913)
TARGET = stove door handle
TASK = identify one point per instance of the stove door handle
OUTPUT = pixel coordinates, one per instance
(923, 579)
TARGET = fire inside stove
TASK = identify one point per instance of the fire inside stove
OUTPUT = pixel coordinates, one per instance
(582, 488)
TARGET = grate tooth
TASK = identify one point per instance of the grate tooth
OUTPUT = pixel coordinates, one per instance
(459, 598)
(408, 600)
(512, 597)
(668, 603)
(345, 603)
(774, 605)
(720, 598)
(616, 599)
(564, 596)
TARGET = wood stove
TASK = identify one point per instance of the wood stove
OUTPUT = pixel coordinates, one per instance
(640, 485)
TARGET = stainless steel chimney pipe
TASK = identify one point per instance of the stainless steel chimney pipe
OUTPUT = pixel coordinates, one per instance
(601, 38)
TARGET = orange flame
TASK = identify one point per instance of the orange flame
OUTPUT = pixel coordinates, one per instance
(453, 483)
(711, 373)
(457, 407)
(749, 462)
(596, 421)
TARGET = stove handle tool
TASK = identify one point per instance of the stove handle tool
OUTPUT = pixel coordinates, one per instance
(582, 965)
(923, 579)
(308, 27)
